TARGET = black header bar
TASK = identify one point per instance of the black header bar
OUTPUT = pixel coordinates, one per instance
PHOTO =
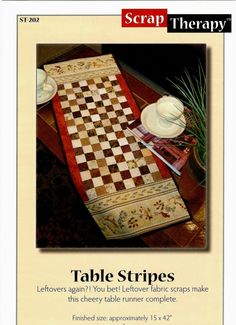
(199, 24)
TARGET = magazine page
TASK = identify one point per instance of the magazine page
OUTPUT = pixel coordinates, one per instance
(108, 231)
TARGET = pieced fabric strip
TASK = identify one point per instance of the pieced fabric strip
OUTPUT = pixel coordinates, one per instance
(119, 180)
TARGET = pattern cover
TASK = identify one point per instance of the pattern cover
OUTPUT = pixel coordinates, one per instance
(124, 186)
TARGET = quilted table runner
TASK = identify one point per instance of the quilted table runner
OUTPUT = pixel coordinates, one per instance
(120, 181)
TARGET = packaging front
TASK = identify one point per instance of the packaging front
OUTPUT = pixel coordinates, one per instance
(110, 228)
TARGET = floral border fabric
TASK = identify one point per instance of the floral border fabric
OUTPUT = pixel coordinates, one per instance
(132, 212)
(79, 69)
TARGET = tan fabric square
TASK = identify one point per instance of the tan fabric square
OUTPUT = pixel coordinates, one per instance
(85, 142)
(79, 95)
(101, 162)
(109, 89)
(81, 127)
(116, 177)
(92, 164)
(131, 139)
(114, 101)
(149, 159)
(106, 122)
(91, 193)
(110, 188)
(74, 136)
(107, 84)
(90, 82)
(96, 147)
(101, 190)
(83, 135)
(147, 178)
(156, 176)
(145, 152)
(72, 102)
(85, 175)
(104, 170)
(69, 91)
(101, 110)
(70, 122)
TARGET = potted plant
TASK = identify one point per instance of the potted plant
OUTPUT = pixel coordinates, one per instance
(192, 92)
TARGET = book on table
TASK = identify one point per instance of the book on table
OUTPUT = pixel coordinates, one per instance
(174, 152)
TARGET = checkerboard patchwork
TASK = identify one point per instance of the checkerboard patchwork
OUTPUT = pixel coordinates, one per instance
(109, 158)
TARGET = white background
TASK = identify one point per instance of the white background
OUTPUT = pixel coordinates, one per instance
(8, 130)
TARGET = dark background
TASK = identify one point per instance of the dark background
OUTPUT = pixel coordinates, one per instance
(158, 62)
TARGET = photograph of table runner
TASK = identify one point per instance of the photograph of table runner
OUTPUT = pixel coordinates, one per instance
(125, 188)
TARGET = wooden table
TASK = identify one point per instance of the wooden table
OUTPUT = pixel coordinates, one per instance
(190, 234)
